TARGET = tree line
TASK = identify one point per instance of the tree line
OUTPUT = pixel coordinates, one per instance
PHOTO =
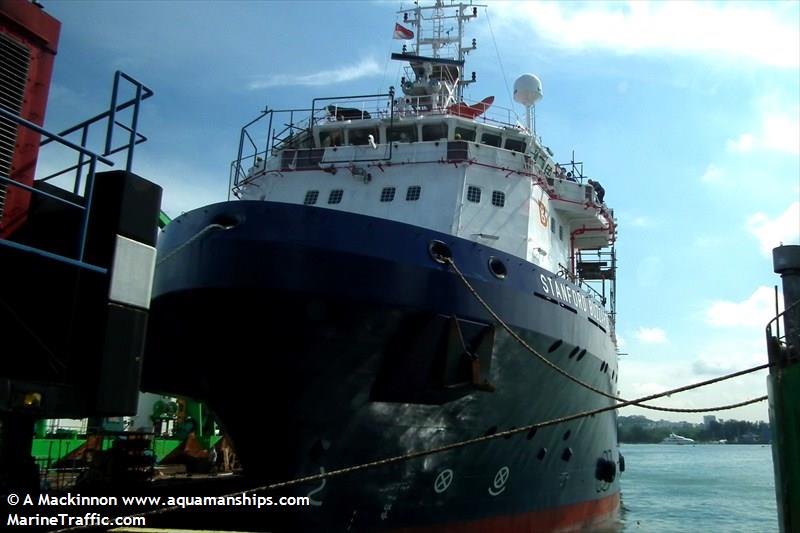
(641, 430)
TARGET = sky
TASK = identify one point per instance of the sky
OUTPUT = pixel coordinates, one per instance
(688, 113)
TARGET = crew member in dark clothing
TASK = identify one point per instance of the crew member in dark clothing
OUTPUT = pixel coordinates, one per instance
(601, 192)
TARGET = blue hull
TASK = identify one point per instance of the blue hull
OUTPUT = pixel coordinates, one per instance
(323, 339)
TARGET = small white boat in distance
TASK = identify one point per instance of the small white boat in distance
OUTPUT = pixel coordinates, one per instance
(677, 439)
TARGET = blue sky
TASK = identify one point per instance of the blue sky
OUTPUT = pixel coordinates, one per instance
(687, 113)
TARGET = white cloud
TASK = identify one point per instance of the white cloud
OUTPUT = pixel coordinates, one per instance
(713, 174)
(771, 232)
(743, 144)
(363, 69)
(755, 311)
(737, 31)
(782, 133)
(651, 335)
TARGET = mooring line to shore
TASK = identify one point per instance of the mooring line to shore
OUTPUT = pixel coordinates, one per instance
(572, 378)
(476, 440)
(500, 434)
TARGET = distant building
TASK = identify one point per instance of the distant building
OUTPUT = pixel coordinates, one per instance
(708, 419)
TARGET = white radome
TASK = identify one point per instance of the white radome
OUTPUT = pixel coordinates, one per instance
(527, 90)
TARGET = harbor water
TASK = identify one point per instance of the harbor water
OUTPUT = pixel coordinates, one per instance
(700, 487)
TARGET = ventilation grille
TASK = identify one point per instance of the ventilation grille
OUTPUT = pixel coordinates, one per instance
(14, 63)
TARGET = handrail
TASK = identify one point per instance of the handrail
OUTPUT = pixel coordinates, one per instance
(52, 136)
(93, 159)
(85, 157)
(135, 138)
(768, 329)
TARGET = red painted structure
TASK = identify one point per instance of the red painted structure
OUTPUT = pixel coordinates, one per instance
(28, 45)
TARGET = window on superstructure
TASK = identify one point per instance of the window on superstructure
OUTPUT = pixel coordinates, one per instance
(498, 198)
(517, 145)
(464, 134)
(331, 138)
(560, 232)
(413, 193)
(335, 197)
(552, 225)
(360, 136)
(434, 132)
(387, 194)
(311, 197)
(403, 134)
(474, 194)
(491, 139)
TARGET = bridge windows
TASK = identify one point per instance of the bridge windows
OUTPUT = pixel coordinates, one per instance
(464, 134)
(403, 134)
(360, 136)
(334, 137)
(517, 145)
(434, 132)
(491, 139)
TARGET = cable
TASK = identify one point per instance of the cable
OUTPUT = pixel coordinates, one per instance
(558, 369)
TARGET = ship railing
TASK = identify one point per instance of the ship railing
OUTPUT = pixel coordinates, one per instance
(111, 119)
(81, 189)
(779, 350)
(495, 115)
(92, 161)
(253, 152)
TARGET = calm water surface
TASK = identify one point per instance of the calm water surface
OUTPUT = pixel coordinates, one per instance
(714, 488)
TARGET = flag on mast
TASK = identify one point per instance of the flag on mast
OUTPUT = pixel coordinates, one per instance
(402, 33)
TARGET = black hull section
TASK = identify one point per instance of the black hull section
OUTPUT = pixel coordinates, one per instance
(323, 340)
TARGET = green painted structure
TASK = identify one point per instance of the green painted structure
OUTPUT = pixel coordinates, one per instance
(784, 389)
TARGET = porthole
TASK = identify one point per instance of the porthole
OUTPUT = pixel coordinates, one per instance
(491, 431)
(311, 198)
(531, 433)
(580, 355)
(541, 454)
(439, 252)
(413, 193)
(497, 268)
(387, 194)
(566, 455)
(335, 196)
(498, 198)
(555, 346)
(567, 434)
(574, 351)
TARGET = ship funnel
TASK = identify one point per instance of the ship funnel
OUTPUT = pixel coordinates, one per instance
(528, 91)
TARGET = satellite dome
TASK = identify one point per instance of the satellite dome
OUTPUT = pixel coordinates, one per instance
(527, 90)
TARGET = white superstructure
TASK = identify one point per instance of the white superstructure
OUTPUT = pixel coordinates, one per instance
(430, 159)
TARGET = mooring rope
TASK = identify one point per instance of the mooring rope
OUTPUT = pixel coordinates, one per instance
(500, 434)
(572, 378)
(192, 239)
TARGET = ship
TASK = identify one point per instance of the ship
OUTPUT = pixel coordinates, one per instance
(324, 311)
(677, 439)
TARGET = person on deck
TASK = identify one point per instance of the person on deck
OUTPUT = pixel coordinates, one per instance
(601, 192)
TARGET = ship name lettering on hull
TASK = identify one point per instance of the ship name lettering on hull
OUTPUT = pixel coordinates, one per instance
(570, 296)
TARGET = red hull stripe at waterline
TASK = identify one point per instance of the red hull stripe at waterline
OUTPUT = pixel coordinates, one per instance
(575, 517)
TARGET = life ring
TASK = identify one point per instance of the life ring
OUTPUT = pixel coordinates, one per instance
(542, 214)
